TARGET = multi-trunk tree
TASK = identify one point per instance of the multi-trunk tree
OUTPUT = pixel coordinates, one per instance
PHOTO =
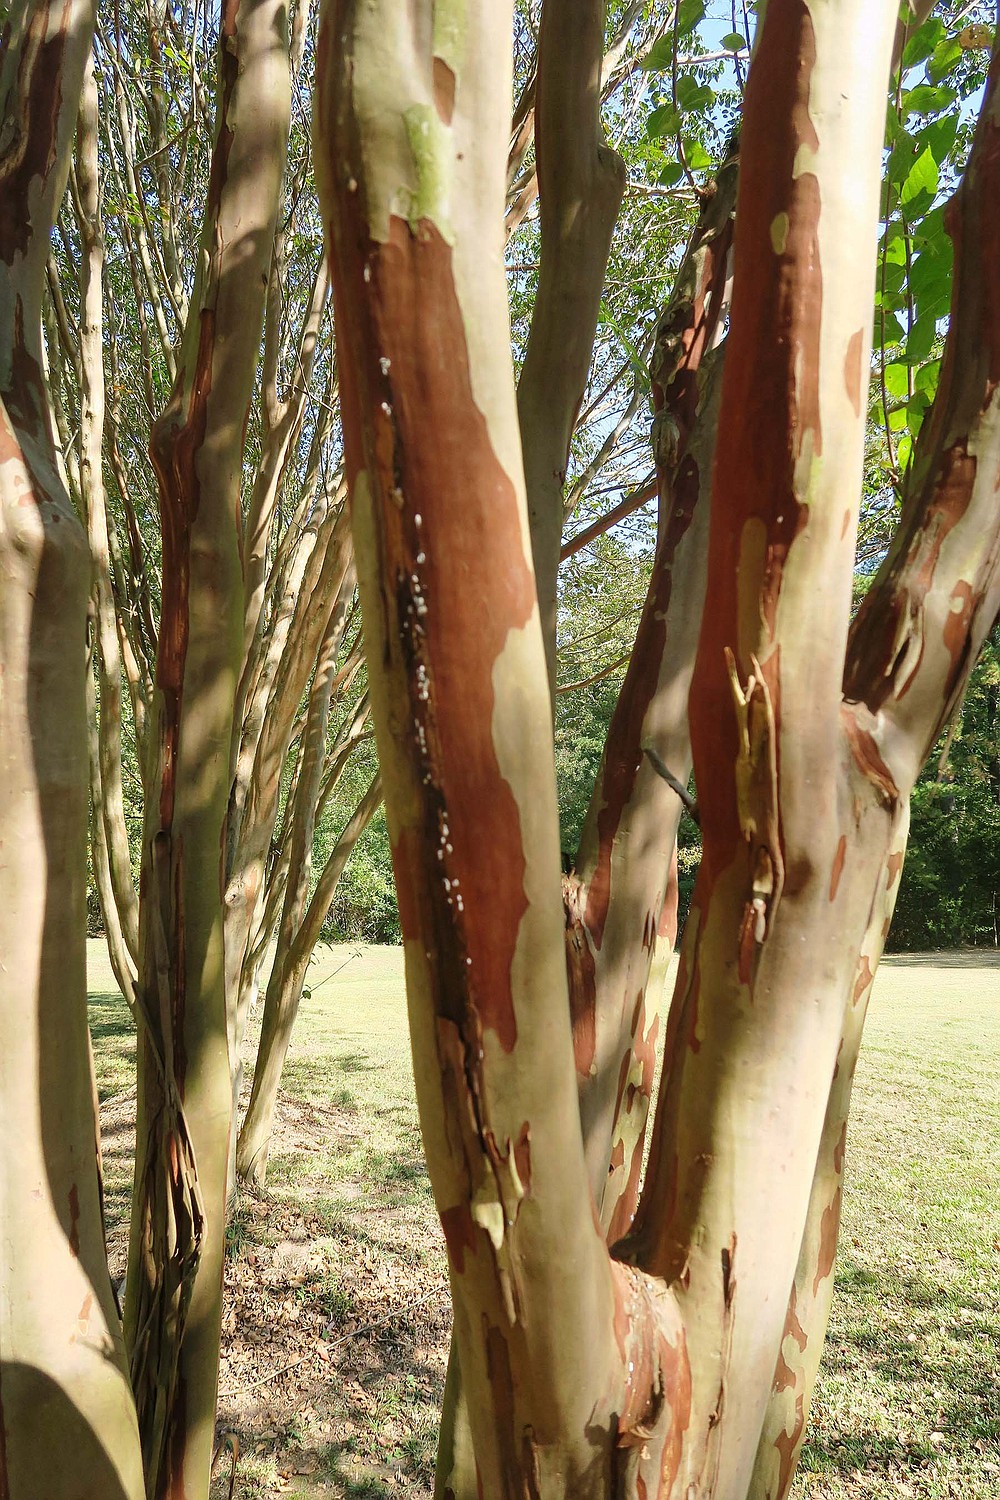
(675, 1356)
(141, 188)
(614, 1336)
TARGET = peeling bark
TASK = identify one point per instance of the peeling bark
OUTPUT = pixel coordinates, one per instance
(669, 1366)
(628, 840)
(747, 1066)
(463, 718)
(809, 1305)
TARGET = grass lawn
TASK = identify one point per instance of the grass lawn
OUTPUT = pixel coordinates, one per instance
(337, 1320)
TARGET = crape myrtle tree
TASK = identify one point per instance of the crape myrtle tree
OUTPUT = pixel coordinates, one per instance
(220, 627)
(612, 1342)
(121, 283)
(65, 1404)
(606, 1342)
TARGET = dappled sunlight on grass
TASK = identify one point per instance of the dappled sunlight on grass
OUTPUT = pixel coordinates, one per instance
(338, 1269)
(908, 1401)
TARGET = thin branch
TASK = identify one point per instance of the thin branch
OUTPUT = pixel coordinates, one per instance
(627, 507)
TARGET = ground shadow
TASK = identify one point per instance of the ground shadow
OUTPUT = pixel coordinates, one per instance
(960, 958)
(964, 1378)
(78, 1465)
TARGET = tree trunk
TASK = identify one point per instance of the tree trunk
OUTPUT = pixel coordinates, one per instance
(627, 858)
(811, 1298)
(173, 1303)
(67, 1424)
(665, 1368)
(107, 773)
(465, 739)
(581, 181)
(629, 838)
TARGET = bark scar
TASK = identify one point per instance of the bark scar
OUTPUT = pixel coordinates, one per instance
(757, 805)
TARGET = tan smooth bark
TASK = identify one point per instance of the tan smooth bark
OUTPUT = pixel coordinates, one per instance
(624, 861)
(652, 1371)
(110, 805)
(67, 1424)
(173, 1301)
(581, 181)
(784, 1428)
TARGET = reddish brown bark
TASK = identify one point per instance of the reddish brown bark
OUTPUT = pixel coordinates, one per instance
(626, 850)
(656, 1371)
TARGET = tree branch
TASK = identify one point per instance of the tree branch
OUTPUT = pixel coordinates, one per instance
(581, 182)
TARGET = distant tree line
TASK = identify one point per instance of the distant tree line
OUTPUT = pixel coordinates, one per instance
(950, 895)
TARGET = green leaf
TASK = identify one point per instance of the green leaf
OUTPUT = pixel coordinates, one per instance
(940, 135)
(897, 380)
(930, 283)
(897, 419)
(901, 158)
(697, 157)
(929, 232)
(663, 121)
(916, 411)
(891, 329)
(943, 59)
(921, 340)
(692, 95)
(891, 279)
(926, 378)
(903, 452)
(895, 250)
(733, 42)
(660, 56)
(922, 42)
(671, 174)
(893, 125)
(928, 99)
(690, 15)
(921, 180)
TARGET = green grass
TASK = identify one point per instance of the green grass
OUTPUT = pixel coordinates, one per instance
(346, 1238)
(908, 1402)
